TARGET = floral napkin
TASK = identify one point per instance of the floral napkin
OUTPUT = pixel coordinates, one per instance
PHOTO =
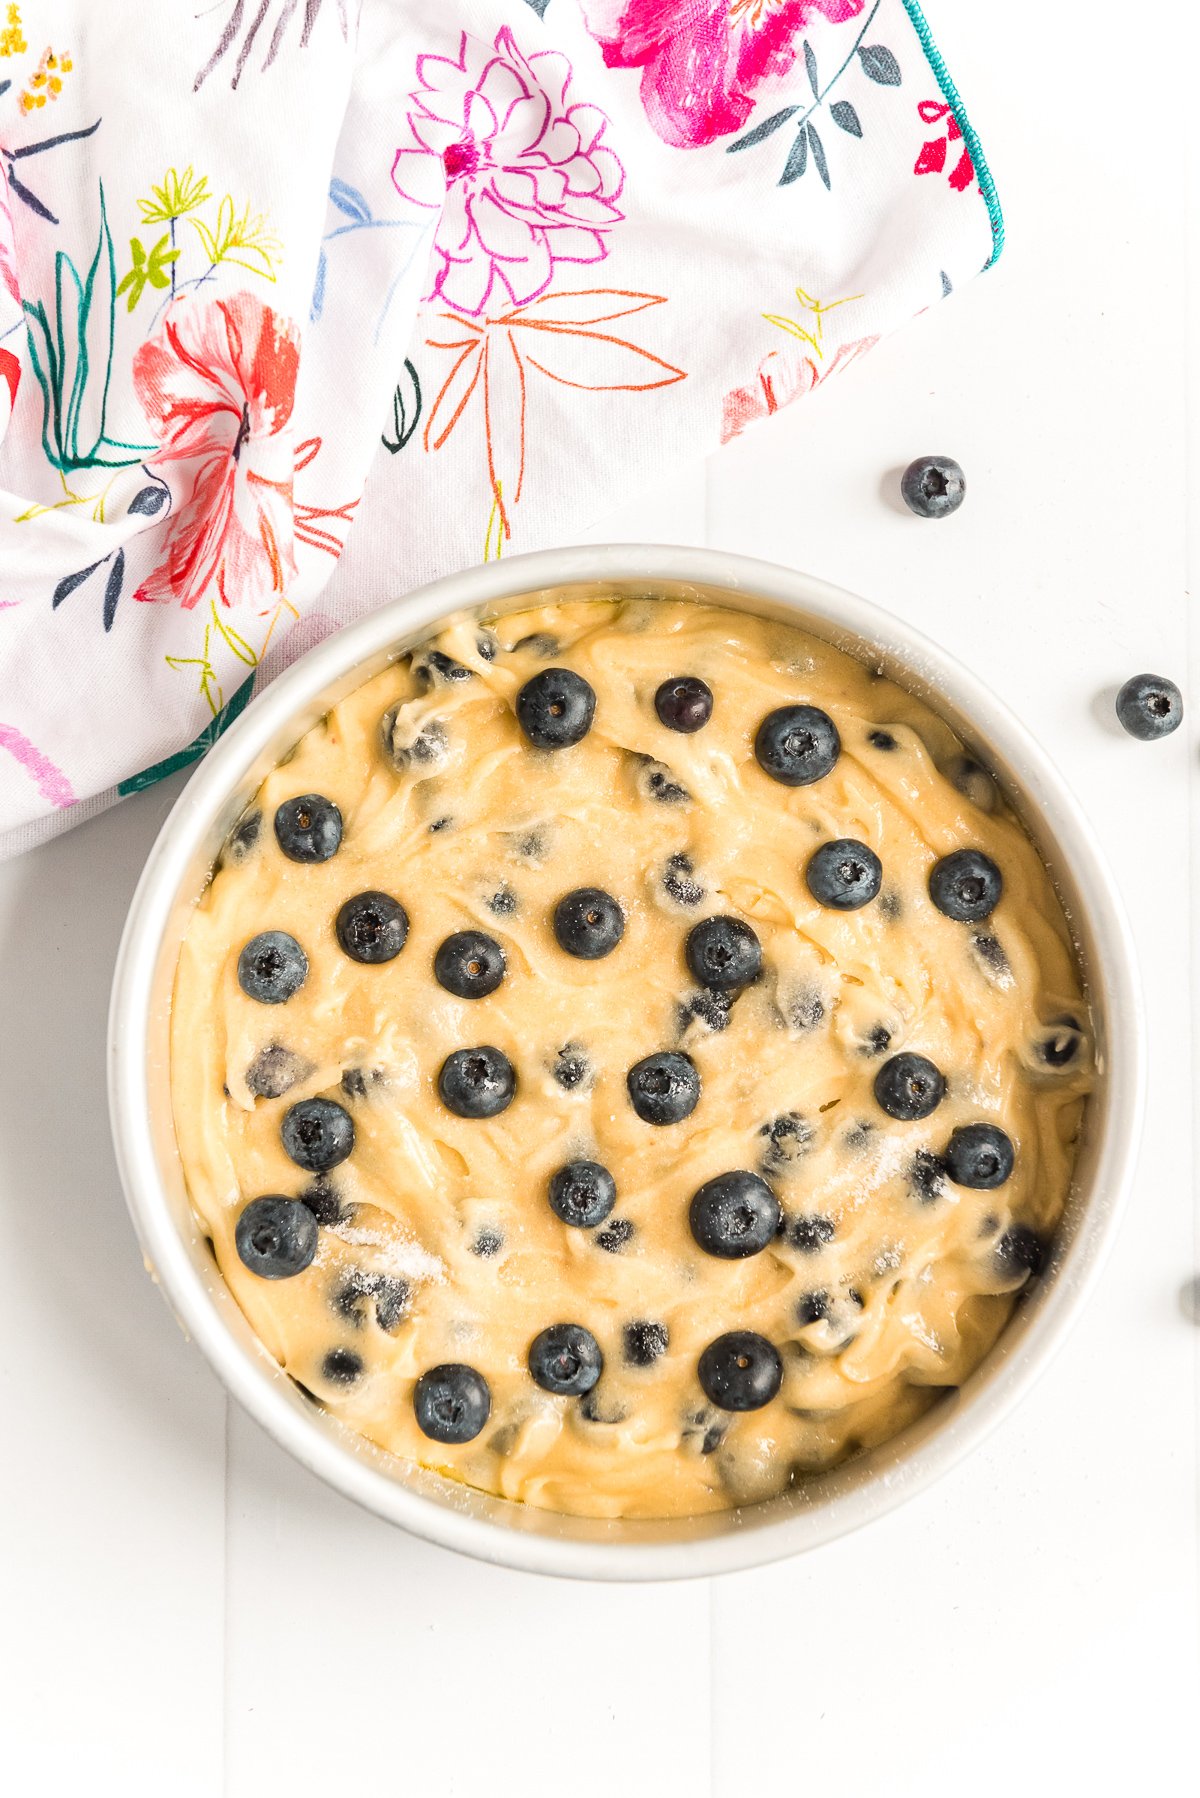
(304, 302)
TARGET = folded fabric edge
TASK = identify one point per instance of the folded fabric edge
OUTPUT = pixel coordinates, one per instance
(953, 99)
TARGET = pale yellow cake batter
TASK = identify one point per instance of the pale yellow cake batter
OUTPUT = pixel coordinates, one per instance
(906, 1292)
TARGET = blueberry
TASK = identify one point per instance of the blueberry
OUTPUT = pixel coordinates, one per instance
(710, 1429)
(355, 1081)
(539, 643)
(317, 1134)
(602, 1407)
(664, 1088)
(571, 1069)
(678, 882)
(1020, 1250)
(811, 1307)
(452, 1402)
(322, 1200)
(276, 1237)
(655, 781)
(273, 1071)
(797, 744)
(810, 1234)
(487, 1243)
(645, 1342)
(973, 781)
(979, 1156)
(734, 1215)
(341, 1366)
(272, 967)
(789, 1139)
(882, 739)
(440, 824)
(684, 703)
(582, 1193)
(877, 1041)
(1061, 1043)
(993, 960)
(503, 903)
(390, 1296)
(566, 1360)
(391, 1300)
(844, 875)
(588, 923)
(469, 964)
(1150, 706)
(372, 927)
(966, 885)
(740, 1371)
(435, 668)
(308, 829)
(908, 1087)
(426, 749)
(933, 486)
(556, 708)
(614, 1236)
(927, 1176)
(477, 1083)
(712, 1009)
(723, 953)
(805, 1010)
(242, 838)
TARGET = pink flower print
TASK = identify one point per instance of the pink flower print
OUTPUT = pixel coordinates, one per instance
(783, 376)
(701, 60)
(217, 384)
(8, 248)
(524, 180)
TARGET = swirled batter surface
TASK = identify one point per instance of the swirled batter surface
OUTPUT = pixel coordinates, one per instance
(436, 1242)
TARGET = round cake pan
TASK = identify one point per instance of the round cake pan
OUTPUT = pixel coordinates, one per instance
(444, 1511)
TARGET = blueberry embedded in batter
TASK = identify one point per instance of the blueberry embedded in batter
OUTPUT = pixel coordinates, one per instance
(674, 1032)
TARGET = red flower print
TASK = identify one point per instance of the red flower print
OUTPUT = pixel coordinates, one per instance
(783, 376)
(217, 384)
(932, 159)
(702, 59)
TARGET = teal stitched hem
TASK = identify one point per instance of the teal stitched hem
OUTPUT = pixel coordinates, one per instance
(951, 96)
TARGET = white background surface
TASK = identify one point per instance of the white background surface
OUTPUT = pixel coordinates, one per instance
(185, 1612)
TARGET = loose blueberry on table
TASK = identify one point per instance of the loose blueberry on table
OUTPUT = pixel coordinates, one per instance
(1150, 706)
(933, 486)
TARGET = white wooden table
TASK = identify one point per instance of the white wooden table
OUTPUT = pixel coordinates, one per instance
(185, 1612)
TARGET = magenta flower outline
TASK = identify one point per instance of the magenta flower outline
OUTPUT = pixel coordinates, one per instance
(523, 179)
